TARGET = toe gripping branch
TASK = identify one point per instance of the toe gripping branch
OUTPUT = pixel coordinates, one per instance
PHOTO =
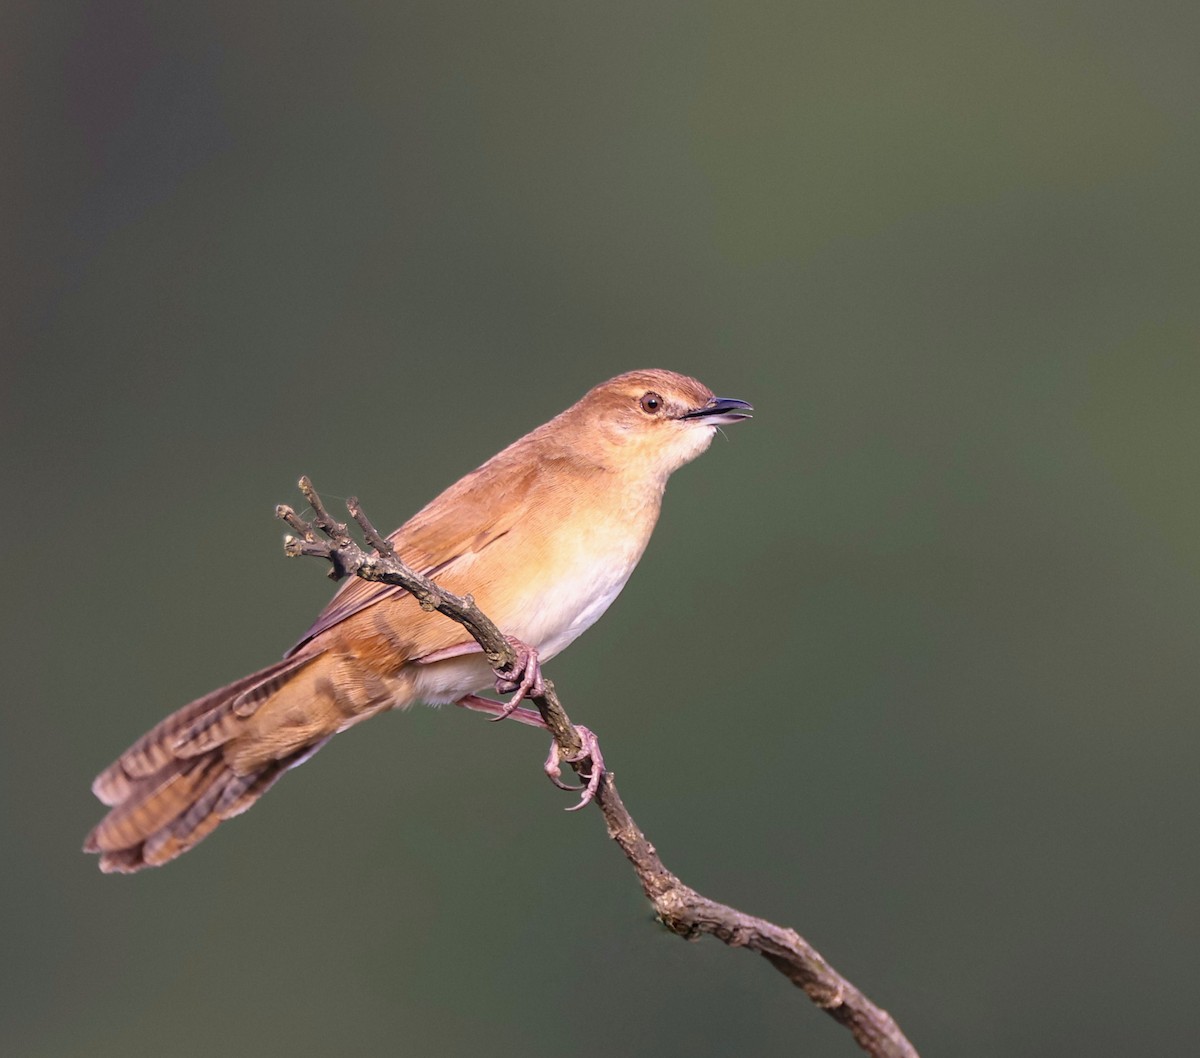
(523, 676)
(590, 752)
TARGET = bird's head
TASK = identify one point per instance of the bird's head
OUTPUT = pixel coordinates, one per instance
(654, 420)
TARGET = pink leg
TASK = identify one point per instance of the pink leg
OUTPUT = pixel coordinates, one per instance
(499, 710)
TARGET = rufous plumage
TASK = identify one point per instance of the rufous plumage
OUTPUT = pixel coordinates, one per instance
(544, 535)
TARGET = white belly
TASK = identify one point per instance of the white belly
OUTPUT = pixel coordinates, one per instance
(557, 618)
(549, 618)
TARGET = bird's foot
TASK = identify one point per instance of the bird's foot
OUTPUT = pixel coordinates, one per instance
(590, 751)
(522, 679)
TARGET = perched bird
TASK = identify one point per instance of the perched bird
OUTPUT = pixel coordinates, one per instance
(543, 535)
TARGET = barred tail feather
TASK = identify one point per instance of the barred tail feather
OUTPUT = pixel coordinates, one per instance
(173, 786)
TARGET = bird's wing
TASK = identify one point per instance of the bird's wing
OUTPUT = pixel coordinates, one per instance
(463, 521)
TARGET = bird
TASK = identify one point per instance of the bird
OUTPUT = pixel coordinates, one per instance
(544, 536)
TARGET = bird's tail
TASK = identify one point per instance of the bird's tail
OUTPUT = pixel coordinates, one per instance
(173, 786)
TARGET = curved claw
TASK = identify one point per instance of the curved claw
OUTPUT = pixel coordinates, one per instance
(524, 678)
(554, 772)
(589, 750)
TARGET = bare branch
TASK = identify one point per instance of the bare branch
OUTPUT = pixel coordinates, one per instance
(370, 533)
(680, 908)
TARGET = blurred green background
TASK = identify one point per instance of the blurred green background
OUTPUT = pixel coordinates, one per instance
(911, 663)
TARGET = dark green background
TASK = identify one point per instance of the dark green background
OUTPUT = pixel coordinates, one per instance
(912, 661)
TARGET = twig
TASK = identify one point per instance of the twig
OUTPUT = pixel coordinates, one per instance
(680, 908)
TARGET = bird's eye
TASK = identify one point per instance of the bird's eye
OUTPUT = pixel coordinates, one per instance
(651, 402)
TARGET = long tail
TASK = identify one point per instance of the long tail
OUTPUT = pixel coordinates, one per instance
(173, 786)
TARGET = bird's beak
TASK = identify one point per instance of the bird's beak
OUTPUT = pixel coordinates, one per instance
(721, 410)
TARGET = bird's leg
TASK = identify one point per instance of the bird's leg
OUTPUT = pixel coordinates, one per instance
(524, 677)
(590, 749)
(497, 710)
